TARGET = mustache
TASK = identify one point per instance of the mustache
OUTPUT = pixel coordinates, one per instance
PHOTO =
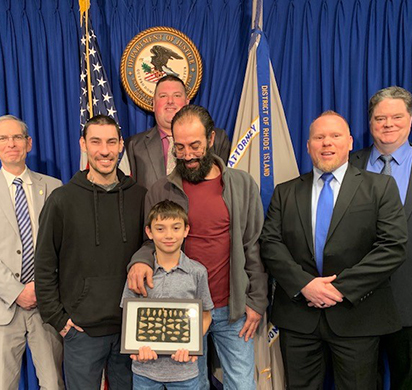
(192, 160)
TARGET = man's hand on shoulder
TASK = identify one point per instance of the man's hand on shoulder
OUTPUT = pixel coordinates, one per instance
(136, 277)
(27, 298)
(321, 293)
(251, 324)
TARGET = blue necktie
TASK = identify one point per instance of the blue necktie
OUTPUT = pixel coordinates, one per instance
(26, 235)
(323, 216)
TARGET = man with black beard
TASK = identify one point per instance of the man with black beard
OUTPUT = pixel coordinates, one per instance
(225, 217)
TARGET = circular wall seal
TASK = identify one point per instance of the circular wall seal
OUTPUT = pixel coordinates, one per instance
(155, 53)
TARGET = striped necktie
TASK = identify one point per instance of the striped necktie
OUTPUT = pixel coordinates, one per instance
(26, 235)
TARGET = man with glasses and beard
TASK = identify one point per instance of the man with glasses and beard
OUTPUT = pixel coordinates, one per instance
(225, 218)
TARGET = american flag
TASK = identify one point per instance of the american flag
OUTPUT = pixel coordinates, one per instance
(101, 93)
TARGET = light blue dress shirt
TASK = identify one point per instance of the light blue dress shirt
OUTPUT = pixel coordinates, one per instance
(401, 166)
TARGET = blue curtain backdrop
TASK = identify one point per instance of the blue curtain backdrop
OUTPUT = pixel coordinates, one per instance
(327, 54)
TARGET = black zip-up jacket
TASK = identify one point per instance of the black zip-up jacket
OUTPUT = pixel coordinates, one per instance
(86, 238)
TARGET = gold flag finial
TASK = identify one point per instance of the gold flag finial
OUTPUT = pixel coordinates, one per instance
(84, 5)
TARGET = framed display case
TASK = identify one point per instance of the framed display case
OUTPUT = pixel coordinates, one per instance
(165, 325)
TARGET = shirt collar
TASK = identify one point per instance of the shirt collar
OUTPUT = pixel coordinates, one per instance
(399, 155)
(182, 265)
(338, 173)
(10, 177)
(162, 133)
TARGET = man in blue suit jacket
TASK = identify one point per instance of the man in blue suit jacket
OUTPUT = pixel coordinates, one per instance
(390, 111)
(20, 320)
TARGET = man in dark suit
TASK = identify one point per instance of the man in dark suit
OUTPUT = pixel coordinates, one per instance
(390, 111)
(149, 155)
(20, 321)
(331, 239)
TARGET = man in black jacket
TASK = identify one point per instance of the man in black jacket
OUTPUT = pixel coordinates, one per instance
(88, 231)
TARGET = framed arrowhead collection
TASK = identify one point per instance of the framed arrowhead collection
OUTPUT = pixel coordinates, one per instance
(165, 325)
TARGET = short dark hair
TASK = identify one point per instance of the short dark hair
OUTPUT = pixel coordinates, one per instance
(23, 125)
(193, 111)
(393, 92)
(170, 77)
(167, 209)
(101, 120)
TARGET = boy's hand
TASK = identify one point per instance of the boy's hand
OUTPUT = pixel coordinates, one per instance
(182, 356)
(145, 354)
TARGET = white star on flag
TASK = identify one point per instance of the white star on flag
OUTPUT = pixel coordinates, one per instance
(111, 111)
(97, 67)
(101, 82)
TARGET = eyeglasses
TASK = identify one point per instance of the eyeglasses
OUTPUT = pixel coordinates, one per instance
(194, 151)
(17, 138)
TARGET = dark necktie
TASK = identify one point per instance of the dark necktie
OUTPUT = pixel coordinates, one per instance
(387, 169)
(323, 217)
(26, 235)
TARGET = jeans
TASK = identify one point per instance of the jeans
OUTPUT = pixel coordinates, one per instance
(143, 383)
(236, 356)
(85, 357)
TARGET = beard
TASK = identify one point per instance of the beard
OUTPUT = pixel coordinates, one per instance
(196, 175)
(328, 166)
(104, 171)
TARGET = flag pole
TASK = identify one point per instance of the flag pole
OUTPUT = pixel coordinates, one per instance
(89, 77)
(84, 6)
(262, 146)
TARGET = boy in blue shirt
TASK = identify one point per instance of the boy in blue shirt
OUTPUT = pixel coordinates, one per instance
(174, 276)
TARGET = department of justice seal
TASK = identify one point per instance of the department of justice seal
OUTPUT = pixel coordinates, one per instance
(155, 53)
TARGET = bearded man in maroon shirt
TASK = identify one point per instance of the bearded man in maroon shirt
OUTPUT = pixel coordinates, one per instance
(226, 218)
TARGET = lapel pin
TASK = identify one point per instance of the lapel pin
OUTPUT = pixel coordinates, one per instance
(41, 192)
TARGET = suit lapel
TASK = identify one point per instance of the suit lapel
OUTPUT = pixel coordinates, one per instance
(350, 185)
(304, 206)
(38, 193)
(7, 205)
(154, 151)
(360, 159)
